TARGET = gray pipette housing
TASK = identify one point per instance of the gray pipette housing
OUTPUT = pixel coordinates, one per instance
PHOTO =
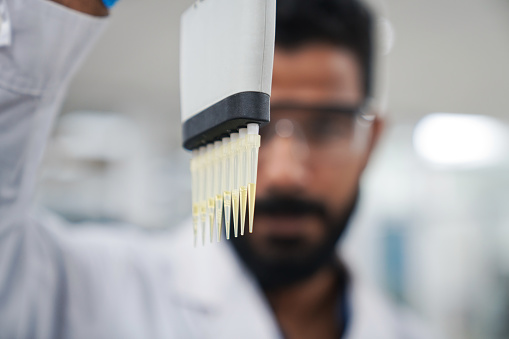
(226, 59)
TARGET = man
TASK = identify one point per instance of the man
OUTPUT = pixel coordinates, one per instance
(282, 281)
(312, 156)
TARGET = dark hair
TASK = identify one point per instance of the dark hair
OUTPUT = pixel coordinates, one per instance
(342, 23)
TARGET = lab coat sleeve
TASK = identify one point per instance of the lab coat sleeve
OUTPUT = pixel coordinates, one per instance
(41, 46)
(47, 44)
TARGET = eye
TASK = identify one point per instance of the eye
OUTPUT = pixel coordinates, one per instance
(322, 127)
(327, 127)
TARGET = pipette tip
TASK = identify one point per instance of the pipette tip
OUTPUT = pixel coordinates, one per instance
(224, 177)
(243, 203)
(252, 194)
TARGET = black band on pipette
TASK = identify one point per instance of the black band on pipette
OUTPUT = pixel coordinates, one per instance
(224, 117)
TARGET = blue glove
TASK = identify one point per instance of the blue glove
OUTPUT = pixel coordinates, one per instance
(109, 3)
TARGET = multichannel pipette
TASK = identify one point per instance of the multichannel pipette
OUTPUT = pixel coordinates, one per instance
(227, 52)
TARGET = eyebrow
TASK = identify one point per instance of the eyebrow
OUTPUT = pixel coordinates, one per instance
(324, 107)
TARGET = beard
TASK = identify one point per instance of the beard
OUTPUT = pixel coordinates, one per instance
(293, 260)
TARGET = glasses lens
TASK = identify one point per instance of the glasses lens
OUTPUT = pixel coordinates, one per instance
(324, 128)
(318, 127)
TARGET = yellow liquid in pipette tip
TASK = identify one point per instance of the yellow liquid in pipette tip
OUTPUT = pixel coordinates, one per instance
(219, 215)
(196, 214)
(251, 190)
(235, 206)
(227, 212)
(243, 203)
(211, 217)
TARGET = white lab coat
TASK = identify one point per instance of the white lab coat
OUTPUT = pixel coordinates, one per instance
(57, 282)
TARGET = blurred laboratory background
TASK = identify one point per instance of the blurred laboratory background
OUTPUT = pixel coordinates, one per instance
(432, 229)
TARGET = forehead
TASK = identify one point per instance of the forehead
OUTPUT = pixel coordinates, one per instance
(316, 73)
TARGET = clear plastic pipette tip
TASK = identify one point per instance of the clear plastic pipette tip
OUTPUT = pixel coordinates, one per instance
(253, 145)
(218, 186)
(242, 178)
(224, 176)
(227, 181)
(235, 185)
(194, 193)
(201, 191)
(210, 188)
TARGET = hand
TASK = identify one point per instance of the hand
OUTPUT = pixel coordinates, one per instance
(92, 7)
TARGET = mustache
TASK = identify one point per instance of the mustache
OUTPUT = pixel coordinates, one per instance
(282, 205)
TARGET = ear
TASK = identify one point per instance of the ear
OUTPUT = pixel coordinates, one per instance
(377, 128)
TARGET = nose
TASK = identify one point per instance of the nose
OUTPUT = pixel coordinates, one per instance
(283, 164)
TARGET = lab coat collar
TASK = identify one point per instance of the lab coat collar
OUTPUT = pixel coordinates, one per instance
(221, 296)
(218, 294)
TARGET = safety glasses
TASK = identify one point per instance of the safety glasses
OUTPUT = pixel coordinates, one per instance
(318, 130)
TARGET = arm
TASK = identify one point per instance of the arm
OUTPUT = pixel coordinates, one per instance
(92, 7)
(47, 44)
